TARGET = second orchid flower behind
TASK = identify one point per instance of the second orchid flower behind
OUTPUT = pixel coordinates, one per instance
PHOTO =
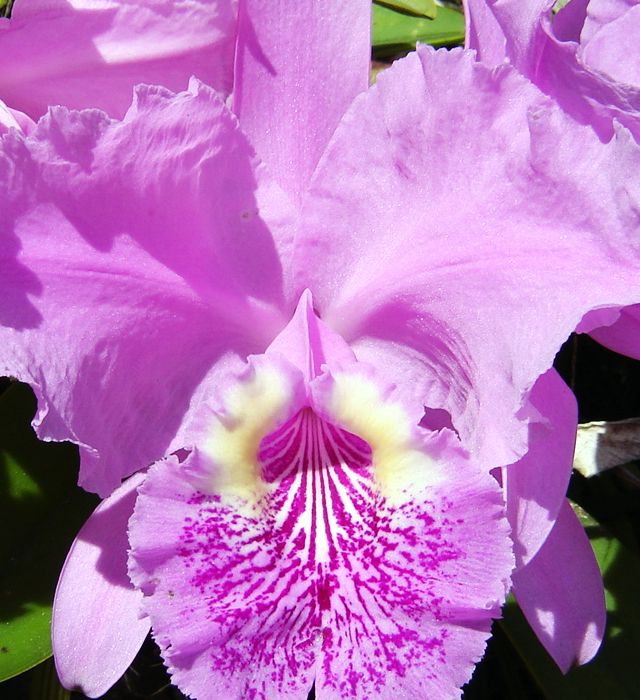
(262, 300)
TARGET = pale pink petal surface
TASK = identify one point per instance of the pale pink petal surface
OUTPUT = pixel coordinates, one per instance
(506, 29)
(91, 53)
(560, 591)
(612, 48)
(98, 626)
(293, 84)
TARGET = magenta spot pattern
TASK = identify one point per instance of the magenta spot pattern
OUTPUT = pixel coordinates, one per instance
(322, 581)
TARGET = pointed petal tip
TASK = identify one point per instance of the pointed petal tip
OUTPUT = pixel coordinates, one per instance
(561, 593)
(97, 628)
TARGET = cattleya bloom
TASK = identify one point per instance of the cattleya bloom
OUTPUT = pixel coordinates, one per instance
(325, 314)
(91, 54)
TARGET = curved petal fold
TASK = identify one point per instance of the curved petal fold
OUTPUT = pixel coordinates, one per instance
(581, 57)
(507, 29)
(561, 593)
(623, 335)
(13, 118)
(91, 53)
(98, 625)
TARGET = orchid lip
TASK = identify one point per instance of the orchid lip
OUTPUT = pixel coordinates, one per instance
(318, 536)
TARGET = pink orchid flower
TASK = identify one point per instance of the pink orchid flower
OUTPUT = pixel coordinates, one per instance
(91, 53)
(261, 298)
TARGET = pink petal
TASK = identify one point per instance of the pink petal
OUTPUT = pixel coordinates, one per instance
(569, 21)
(547, 52)
(92, 53)
(623, 336)
(307, 343)
(296, 74)
(483, 33)
(438, 255)
(507, 29)
(536, 485)
(13, 118)
(613, 49)
(122, 284)
(599, 14)
(561, 593)
(97, 625)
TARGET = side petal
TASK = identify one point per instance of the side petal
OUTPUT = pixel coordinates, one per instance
(91, 54)
(561, 593)
(123, 282)
(98, 625)
(536, 486)
(487, 237)
(296, 73)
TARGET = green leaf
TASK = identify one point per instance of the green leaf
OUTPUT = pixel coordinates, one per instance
(5, 8)
(395, 32)
(41, 511)
(612, 674)
(419, 8)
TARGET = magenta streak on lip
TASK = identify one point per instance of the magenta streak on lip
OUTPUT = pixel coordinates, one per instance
(331, 464)
(321, 580)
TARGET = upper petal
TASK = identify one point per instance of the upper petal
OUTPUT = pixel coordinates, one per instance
(510, 29)
(483, 33)
(296, 73)
(465, 225)
(92, 53)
